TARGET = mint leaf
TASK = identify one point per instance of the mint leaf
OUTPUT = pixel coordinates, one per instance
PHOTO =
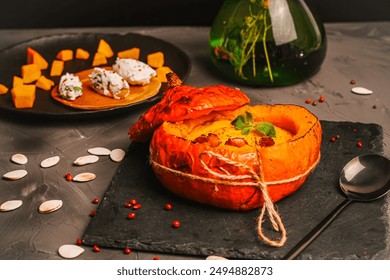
(249, 118)
(246, 130)
(266, 128)
(239, 122)
(246, 123)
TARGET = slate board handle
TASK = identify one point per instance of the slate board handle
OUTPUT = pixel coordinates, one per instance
(311, 236)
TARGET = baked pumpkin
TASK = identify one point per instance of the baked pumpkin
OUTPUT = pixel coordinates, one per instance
(198, 153)
(210, 161)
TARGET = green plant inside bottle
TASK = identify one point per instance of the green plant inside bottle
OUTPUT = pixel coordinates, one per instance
(250, 46)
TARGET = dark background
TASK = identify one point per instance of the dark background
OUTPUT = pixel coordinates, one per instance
(94, 13)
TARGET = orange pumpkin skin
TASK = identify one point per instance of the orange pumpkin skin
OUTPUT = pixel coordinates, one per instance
(291, 159)
(186, 102)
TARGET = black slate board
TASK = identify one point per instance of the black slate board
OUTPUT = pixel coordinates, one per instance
(360, 232)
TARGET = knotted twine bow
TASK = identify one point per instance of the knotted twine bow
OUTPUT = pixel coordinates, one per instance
(257, 181)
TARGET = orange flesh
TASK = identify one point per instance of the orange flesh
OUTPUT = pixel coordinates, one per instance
(91, 100)
(224, 130)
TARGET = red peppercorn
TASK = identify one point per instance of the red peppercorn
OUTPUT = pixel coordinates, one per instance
(95, 200)
(176, 223)
(133, 201)
(156, 258)
(333, 139)
(359, 144)
(308, 101)
(353, 82)
(79, 241)
(314, 103)
(127, 205)
(321, 99)
(92, 213)
(68, 177)
(137, 206)
(96, 248)
(131, 215)
(168, 207)
(127, 251)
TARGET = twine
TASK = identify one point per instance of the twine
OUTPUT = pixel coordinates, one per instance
(258, 181)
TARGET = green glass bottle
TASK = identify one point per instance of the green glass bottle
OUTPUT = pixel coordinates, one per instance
(267, 43)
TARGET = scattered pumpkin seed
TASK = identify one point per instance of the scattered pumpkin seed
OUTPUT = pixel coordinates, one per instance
(86, 160)
(49, 162)
(361, 90)
(15, 175)
(117, 155)
(50, 206)
(70, 251)
(10, 205)
(99, 151)
(84, 177)
(19, 159)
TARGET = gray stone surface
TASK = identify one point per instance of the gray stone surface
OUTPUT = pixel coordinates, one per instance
(356, 51)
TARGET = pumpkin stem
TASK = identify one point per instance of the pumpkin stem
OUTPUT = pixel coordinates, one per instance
(173, 80)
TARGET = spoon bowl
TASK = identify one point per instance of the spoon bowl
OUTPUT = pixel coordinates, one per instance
(364, 178)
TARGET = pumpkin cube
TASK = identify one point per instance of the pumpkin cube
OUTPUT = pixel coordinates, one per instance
(16, 80)
(162, 73)
(65, 55)
(105, 49)
(3, 89)
(44, 83)
(155, 60)
(30, 73)
(129, 53)
(23, 96)
(57, 67)
(34, 57)
(99, 59)
(82, 54)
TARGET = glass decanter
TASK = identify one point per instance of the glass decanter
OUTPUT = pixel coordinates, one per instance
(267, 43)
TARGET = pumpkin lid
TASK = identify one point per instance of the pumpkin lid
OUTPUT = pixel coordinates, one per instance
(182, 102)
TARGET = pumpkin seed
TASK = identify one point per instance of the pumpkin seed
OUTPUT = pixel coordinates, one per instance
(213, 258)
(19, 159)
(84, 177)
(49, 162)
(69, 251)
(86, 160)
(361, 91)
(15, 175)
(10, 205)
(99, 151)
(117, 155)
(50, 206)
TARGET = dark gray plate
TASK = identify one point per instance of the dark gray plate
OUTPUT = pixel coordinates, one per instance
(11, 59)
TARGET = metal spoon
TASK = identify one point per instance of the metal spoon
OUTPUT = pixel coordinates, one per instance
(365, 178)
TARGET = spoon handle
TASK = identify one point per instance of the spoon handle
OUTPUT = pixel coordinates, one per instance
(309, 238)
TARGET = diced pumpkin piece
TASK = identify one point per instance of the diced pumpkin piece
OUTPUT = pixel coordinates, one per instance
(23, 96)
(82, 54)
(162, 73)
(57, 67)
(16, 80)
(129, 53)
(105, 49)
(34, 57)
(65, 55)
(30, 73)
(99, 59)
(155, 60)
(44, 83)
(3, 89)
